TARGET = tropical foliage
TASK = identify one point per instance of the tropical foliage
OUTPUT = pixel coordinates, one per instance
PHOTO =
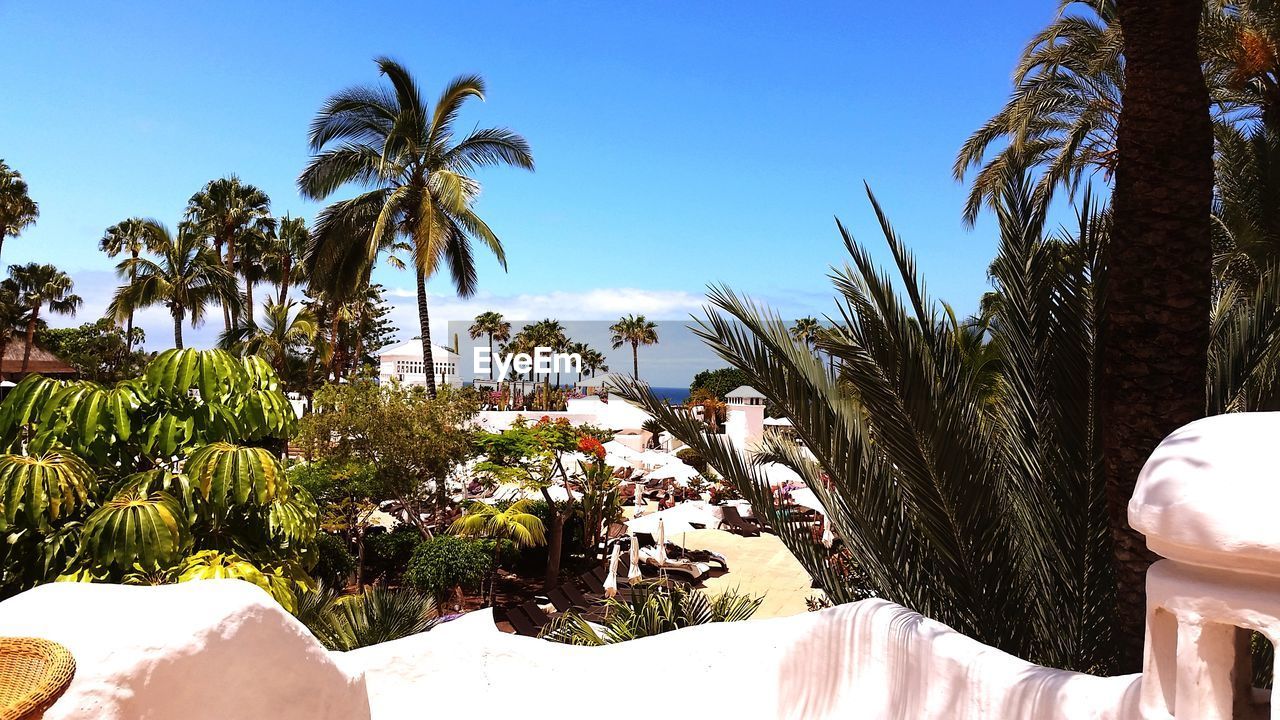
(167, 476)
(651, 610)
(376, 614)
(17, 210)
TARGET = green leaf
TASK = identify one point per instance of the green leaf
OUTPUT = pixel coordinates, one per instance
(226, 474)
(135, 528)
(36, 491)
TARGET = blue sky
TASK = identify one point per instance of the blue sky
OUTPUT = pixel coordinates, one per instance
(677, 144)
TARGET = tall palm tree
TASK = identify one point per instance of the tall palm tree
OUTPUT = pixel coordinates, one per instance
(546, 333)
(40, 286)
(1062, 114)
(1155, 348)
(132, 237)
(17, 210)
(232, 215)
(283, 253)
(493, 325)
(594, 361)
(187, 277)
(419, 187)
(284, 332)
(807, 330)
(633, 330)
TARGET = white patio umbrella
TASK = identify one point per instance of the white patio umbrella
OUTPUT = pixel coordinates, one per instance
(634, 574)
(676, 520)
(617, 449)
(677, 470)
(662, 543)
(653, 458)
(638, 497)
(611, 582)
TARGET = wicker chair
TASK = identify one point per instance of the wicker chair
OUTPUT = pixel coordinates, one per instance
(33, 674)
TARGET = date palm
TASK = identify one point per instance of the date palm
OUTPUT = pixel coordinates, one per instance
(495, 327)
(633, 330)
(417, 182)
(17, 210)
(126, 237)
(186, 276)
(965, 512)
(42, 286)
(236, 218)
(1062, 114)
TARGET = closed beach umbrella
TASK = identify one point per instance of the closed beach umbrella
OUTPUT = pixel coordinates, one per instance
(639, 497)
(611, 582)
(662, 543)
(634, 574)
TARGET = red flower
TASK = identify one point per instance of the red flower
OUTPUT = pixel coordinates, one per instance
(591, 446)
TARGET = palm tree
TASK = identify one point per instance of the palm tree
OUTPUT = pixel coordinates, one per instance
(127, 236)
(187, 277)
(964, 512)
(651, 610)
(17, 210)
(635, 331)
(284, 332)
(807, 330)
(1062, 113)
(282, 254)
(515, 524)
(493, 325)
(232, 214)
(13, 316)
(41, 286)
(394, 143)
(594, 361)
(546, 333)
(1155, 349)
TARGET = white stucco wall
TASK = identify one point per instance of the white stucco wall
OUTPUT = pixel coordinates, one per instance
(223, 649)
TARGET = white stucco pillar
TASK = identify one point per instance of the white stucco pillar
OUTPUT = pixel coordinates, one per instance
(1208, 500)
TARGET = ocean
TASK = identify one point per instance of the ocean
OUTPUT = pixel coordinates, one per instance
(673, 395)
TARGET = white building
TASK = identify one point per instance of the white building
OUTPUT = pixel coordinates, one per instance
(403, 362)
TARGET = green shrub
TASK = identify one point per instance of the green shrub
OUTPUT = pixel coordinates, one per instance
(693, 459)
(386, 554)
(334, 563)
(442, 563)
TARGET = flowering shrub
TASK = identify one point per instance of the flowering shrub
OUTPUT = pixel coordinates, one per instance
(591, 446)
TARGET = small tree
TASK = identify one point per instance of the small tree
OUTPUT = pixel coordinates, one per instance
(414, 442)
(532, 456)
(515, 524)
(447, 564)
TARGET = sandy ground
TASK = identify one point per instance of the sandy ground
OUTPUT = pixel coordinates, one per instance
(758, 566)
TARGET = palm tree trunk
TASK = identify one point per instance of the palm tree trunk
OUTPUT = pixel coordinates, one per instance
(230, 264)
(1155, 331)
(31, 337)
(635, 360)
(491, 363)
(177, 327)
(286, 266)
(248, 290)
(424, 326)
(1, 242)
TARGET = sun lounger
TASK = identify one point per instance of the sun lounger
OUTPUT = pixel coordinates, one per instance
(521, 622)
(535, 613)
(694, 570)
(733, 521)
(562, 601)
